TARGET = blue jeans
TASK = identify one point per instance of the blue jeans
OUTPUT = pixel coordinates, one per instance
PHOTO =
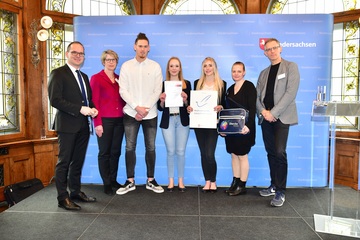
(275, 136)
(149, 128)
(207, 140)
(175, 137)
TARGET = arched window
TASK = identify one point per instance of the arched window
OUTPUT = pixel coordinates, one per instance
(178, 7)
(345, 56)
(61, 33)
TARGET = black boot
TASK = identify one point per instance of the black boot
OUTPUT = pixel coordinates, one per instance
(240, 189)
(233, 185)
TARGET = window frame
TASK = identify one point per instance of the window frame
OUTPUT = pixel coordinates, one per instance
(14, 7)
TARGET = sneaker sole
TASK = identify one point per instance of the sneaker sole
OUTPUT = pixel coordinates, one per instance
(267, 194)
(276, 205)
(154, 190)
(124, 192)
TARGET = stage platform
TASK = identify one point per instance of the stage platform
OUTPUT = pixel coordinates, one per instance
(142, 214)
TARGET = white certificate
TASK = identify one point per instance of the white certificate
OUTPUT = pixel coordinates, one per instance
(173, 91)
(203, 104)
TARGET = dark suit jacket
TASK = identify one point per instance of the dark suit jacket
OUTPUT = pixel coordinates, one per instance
(184, 116)
(65, 95)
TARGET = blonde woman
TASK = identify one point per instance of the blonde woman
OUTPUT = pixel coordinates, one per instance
(109, 126)
(175, 125)
(207, 138)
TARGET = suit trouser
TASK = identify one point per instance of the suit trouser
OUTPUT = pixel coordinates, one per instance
(72, 151)
(275, 136)
(110, 148)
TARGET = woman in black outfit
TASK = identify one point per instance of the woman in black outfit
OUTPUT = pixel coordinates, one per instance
(242, 94)
(207, 138)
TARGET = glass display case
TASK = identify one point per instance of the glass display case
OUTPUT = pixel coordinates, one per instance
(346, 221)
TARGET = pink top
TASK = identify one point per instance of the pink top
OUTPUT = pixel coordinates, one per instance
(106, 97)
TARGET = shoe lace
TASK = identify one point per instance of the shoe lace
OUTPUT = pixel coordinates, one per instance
(153, 182)
(129, 184)
(278, 195)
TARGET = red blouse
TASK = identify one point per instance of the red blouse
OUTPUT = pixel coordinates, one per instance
(106, 97)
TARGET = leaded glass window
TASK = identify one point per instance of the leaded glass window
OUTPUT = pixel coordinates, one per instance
(178, 7)
(91, 7)
(9, 82)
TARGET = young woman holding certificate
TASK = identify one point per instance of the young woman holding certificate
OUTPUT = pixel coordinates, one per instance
(175, 122)
(207, 137)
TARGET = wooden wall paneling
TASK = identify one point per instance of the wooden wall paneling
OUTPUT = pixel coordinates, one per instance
(45, 154)
(158, 6)
(264, 6)
(45, 161)
(346, 162)
(34, 78)
(147, 7)
(4, 161)
(21, 164)
(137, 6)
(351, 15)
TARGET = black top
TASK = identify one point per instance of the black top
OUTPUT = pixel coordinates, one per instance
(184, 116)
(269, 95)
(245, 97)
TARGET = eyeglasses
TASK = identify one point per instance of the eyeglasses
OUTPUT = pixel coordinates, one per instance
(110, 60)
(80, 54)
(270, 49)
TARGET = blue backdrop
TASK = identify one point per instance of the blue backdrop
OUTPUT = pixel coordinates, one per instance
(306, 39)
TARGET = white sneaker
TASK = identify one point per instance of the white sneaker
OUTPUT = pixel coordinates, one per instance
(128, 186)
(154, 186)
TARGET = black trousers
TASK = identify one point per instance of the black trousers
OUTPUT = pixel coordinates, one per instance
(72, 151)
(110, 148)
(207, 140)
(275, 136)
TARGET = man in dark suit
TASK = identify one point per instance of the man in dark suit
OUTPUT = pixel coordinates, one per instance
(277, 88)
(70, 93)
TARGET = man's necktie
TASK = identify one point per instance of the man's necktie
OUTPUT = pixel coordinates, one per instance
(82, 88)
(85, 102)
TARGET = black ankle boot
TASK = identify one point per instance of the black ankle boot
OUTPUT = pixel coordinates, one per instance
(240, 189)
(233, 185)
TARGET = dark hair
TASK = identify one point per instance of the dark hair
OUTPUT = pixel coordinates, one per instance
(141, 36)
(74, 42)
(239, 63)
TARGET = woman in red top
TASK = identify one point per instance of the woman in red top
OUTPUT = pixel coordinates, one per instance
(109, 122)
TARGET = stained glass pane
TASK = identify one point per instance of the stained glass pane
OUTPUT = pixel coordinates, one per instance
(181, 7)
(92, 7)
(9, 76)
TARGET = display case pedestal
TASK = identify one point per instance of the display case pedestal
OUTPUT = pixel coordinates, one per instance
(344, 225)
